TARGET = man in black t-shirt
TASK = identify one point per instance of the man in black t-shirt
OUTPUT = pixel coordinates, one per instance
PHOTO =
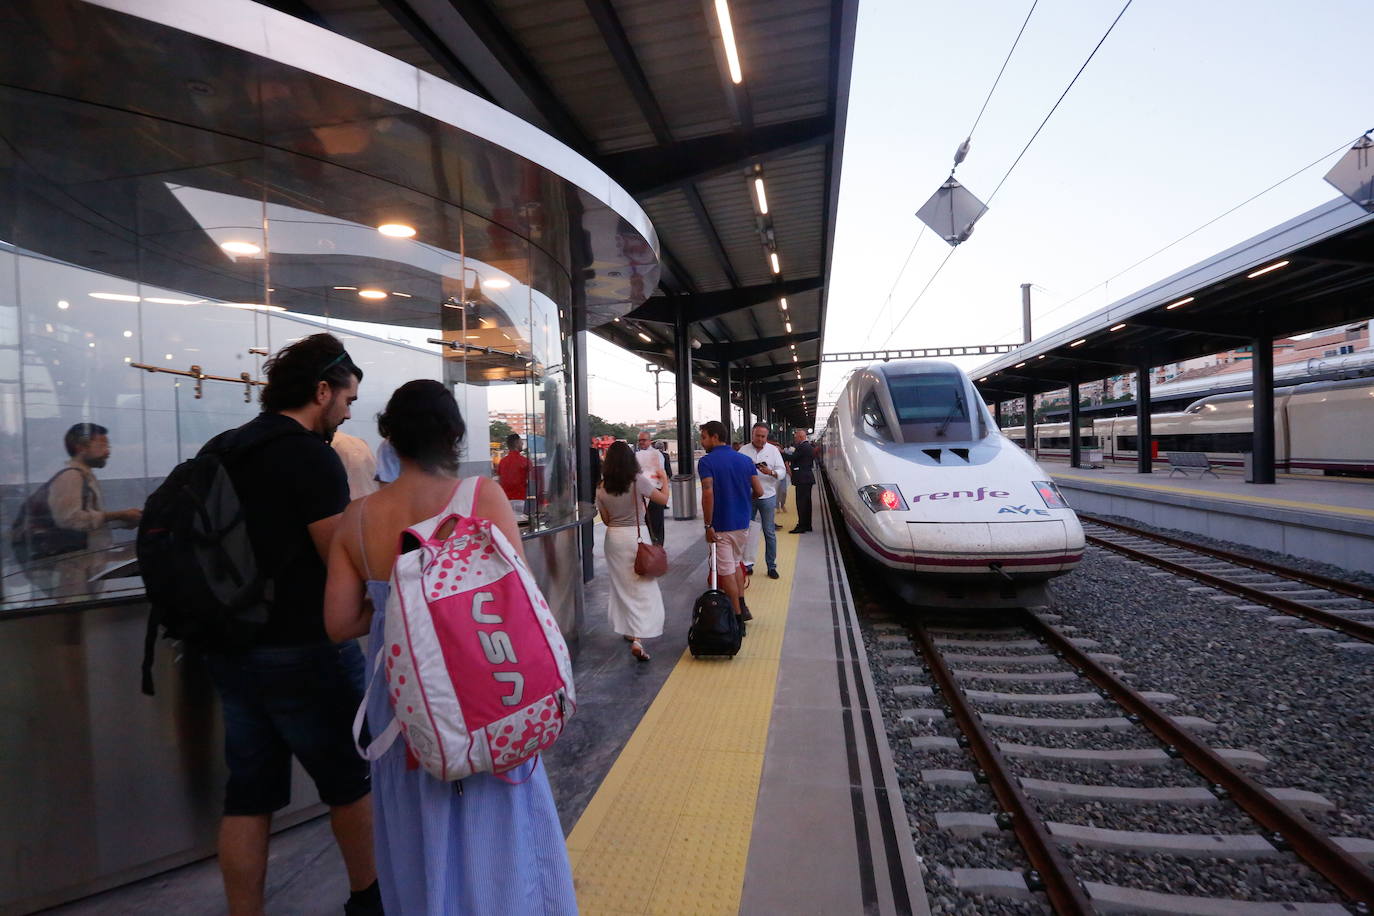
(293, 693)
(800, 468)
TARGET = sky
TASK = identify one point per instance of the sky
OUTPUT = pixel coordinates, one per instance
(1188, 109)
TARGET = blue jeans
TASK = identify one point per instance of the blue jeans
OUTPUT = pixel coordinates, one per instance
(763, 511)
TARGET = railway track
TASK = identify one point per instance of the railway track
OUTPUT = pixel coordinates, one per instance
(1333, 604)
(1117, 805)
(1020, 661)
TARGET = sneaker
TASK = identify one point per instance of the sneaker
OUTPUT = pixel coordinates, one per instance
(772, 573)
(799, 531)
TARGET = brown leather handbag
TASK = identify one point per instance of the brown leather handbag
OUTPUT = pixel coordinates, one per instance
(651, 560)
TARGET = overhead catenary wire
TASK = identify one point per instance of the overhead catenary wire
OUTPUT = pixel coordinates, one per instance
(1187, 235)
(1019, 156)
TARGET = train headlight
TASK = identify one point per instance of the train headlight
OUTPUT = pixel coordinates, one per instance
(883, 497)
(1050, 494)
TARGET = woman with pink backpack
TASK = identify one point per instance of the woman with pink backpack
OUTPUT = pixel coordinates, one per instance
(465, 821)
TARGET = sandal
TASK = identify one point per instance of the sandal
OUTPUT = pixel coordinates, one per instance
(637, 650)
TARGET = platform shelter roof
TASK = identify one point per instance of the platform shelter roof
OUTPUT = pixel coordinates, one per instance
(643, 89)
(1312, 272)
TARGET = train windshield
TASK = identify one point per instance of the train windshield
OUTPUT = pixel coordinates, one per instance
(932, 406)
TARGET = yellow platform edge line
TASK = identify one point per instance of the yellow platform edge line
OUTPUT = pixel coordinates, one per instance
(668, 829)
(1229, 497)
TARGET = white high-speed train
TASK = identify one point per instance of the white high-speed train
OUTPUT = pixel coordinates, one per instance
(1319, 428)
(930, 490)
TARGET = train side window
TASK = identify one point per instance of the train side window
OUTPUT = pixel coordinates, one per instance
(873, 412)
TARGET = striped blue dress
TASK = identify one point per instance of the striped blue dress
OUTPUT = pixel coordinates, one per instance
(494, 848)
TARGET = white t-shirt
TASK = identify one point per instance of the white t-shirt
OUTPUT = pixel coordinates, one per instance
(650, 460)
(770, 456)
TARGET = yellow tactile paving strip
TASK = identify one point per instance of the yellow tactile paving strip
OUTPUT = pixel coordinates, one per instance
(668, 830)
(1229, 497)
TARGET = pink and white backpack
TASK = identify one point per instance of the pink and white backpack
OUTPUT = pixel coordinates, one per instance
(477, 671)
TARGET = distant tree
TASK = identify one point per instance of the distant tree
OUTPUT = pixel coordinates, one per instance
(500, 430)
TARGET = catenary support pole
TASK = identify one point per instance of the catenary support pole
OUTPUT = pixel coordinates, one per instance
(1144, 438)
(1262, 382)
(682, 350)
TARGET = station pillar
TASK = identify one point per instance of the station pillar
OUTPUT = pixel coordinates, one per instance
(1144, 439)
(1029, 424)
(747, 399)
(682, 352)
(1075, 443)
(724, 379)
(1262, 384)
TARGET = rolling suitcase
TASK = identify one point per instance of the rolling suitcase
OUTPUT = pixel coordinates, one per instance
(715, 630)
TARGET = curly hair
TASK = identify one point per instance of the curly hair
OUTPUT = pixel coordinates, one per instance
(295, 371)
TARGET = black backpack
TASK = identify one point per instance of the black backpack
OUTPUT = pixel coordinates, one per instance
(35, 534)
(203, 581)
(715, 629)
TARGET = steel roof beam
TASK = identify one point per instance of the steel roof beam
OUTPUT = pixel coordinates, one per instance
(728, 352)
(703, 306)
(783, 368)
(648, 172)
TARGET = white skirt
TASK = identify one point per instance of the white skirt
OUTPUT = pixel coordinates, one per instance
(636, 605)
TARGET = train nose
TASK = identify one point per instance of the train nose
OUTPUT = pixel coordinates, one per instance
(1012, 548)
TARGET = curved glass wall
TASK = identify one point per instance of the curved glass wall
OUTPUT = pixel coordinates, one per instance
(149, 264)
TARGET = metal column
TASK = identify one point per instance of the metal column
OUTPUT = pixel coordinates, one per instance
(1029, 424)
(1144, 439)
(682, 352)
(746, 398)
(1262, 382)
(997, 413)
(582, 437)
(724, 379)
(1075, 443)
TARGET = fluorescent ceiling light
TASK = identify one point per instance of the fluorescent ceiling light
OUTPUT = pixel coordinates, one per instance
(63, 304)
(1117, 327)
(240, 248)
(396, 230)
(645, 337)
(345, 287)
(783, 303)
(983, 379)
(1080, 342)
(1174, 305)
(1041, 356)
(402, 295)
(1018, 365)
(773, 262)
(112, 297)
(162, 301)
(496, 283)
(252, 306)
(1264, 270)
(727, 37)
(375, 295)
(788, 325)
(763, 198)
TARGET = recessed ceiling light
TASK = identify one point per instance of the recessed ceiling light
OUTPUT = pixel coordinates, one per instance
(128, 333)
(496, 283)
(169, 356)
(373, 294)
(112, 297)
(240, 248)
(63, 304)
(396, 230)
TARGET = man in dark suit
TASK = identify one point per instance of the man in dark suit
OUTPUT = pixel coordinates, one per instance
(801, 468)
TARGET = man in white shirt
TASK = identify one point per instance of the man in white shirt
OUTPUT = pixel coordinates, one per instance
(651, 463)
(768, 460)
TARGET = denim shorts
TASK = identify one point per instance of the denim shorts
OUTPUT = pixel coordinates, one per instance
(281, 701)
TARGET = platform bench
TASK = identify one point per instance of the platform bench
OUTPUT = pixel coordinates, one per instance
(1185, 461)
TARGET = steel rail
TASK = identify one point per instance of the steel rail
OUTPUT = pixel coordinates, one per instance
(1066, 894)
(1340, 586)
(1290, 606)
(1314, 846)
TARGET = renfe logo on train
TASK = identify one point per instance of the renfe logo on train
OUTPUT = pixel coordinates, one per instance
(977, 495)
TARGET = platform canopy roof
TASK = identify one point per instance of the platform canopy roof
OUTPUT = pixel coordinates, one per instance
(1313, 272)
(643, 89)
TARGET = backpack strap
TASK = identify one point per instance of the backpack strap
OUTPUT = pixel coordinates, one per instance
(460, 505)
(464, 501)
(382, 743)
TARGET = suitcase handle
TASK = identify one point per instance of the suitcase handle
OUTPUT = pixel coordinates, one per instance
(712, 560)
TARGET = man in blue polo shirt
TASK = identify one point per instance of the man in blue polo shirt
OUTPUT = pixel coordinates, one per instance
(729, 486)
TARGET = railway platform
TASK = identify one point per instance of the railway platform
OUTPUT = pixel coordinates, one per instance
(1330, 519)
(761, 784)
